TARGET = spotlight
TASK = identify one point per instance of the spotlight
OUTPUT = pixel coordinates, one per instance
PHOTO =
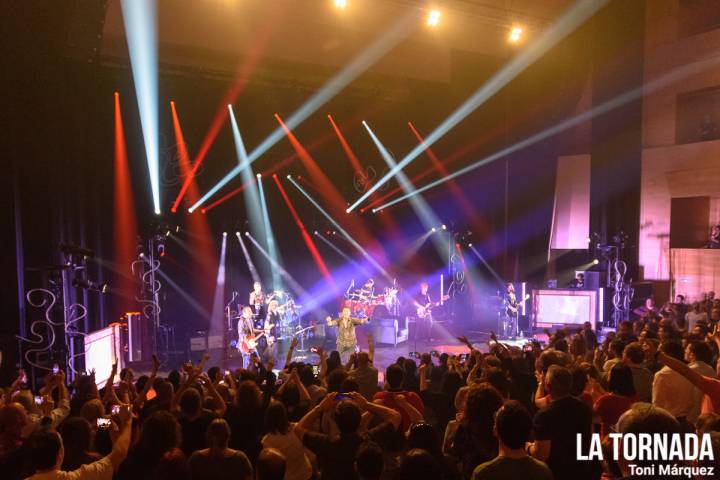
(588, 240)
(469, 245)
(237, 233)
(433, 18)
(433, 229)
(315, 232)
(259, 175)
(288, 177)
(515, 34)
(177, 228)
(341, 4)
(224, 234)
(247, 234)
(596, 261)
(347, 210)
(443, 227)
(90, 285)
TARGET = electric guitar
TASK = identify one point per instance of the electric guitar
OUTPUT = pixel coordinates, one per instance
(423, 311)
(249, 343)
(512, 310)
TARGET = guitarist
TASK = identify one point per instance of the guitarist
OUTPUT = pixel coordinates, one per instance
(511, 305)
(246, 335)
(423, 305)
(266, 344)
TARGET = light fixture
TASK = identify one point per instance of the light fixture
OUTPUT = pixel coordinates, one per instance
(469, 245)
(596, 261)
(443, 227)
(515, 34)
(433, 18)
(341, 4)
(433, 229)
(224, 234)
(86, 284)
(259, 175)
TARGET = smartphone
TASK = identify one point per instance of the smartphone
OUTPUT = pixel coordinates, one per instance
(227, 372)
(463, 356)
(103, 423)
(115, 409)
(56, 369)
(316, 369)
(38, 400)
(342, 396)
(313, 350)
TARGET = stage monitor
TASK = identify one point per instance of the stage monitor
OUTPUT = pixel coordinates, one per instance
(560, 308)
(101, 349)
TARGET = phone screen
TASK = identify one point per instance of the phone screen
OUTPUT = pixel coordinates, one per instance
(38, 400)
(103, 422)
(115, 409)
(56, 369)
(342, 396)
(316, 369)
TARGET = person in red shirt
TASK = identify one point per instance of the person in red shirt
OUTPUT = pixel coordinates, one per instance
(408, 404)
(619, 398)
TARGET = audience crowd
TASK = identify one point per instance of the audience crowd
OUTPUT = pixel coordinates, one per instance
(500, 413)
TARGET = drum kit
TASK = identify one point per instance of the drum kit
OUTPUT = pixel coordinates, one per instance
(364, 304)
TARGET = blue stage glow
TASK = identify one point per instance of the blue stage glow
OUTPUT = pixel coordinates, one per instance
(350, 72)
(573, 18)
(272, 249)
(140, 19)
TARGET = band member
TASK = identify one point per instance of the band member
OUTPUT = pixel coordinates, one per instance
(579, 281)
(714, 241)
(511, 307)
(423, 305)
(346, 339)
(266, 345)
(257, 300)
(368, 288)
(246, 335)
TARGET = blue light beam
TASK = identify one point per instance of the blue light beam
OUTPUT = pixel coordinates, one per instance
(347, 236)
(140, 19)
(349, 73)
(645, 89)
(573, 18)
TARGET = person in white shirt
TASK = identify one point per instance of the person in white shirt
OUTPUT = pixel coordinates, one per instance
(45, 448)
(695, 315)
(698, 356)
(281, 437)
(672, 391)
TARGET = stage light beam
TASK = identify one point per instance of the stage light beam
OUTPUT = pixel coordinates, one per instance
(392, 37)
(270, 236)
(140, 20)
(622, 99)
(572, 19)
(346, 235)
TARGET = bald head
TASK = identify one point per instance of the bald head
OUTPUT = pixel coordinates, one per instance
(270, 465)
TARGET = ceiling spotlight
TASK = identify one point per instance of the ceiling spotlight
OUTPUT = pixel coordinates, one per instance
(515, 34)
(315, 232)
(288, 177)
(247, 234)
(596, 261)
(433, 18)
(469, 245)
(224, 234)
(443, 227)
(341, 4)
(259, 175)
(433, 229)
